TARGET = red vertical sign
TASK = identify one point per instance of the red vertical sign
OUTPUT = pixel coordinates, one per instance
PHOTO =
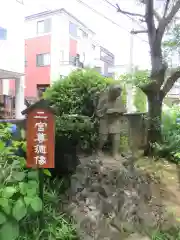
(40, 138)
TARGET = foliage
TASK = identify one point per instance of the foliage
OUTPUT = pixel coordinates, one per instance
(140, 100)
(57, 225)
(171, 234)
(137, 79)
(124, 95)
(171, 44)
(20, 204)
(170, 146)
(74, 99)
(18, 190)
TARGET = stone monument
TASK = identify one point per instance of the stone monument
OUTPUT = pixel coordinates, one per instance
(110, 110)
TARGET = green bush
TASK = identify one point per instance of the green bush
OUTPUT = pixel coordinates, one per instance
(20, 204)
(170, 146)
(140, 100)
(18, 189)
(74, 99)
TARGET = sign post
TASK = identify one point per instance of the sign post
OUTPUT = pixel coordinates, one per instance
(40, 136)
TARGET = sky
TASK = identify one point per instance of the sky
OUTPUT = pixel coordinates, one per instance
(113, 34)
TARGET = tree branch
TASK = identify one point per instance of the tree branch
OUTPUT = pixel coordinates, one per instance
(166, 8)
(173, 12)
(157, 16)
(149, 4)
(129, 13)
(166, 20)
(138, 31)
(170, 82)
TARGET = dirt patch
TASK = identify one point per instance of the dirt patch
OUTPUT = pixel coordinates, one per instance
(168, 192)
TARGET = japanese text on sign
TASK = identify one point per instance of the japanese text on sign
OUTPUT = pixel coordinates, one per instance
(40, 137)
(40, 147)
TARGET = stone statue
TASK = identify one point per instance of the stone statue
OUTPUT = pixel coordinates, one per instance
(109, 110)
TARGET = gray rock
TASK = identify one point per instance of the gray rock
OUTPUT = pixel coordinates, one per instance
(111, 204)
(137, 236)
(76, 185)
(106, 206)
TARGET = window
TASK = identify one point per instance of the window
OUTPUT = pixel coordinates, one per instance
(44, 26)
(41, 88)
(42, 60)
(73, 29)
(3, 33)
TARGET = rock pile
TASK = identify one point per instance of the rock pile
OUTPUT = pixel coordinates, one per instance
(109, 200)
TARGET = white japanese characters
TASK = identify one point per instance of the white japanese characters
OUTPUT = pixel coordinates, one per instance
(40, 146)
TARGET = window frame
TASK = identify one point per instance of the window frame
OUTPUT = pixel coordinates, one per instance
(45, 31)
(75, 33)
(43, 64)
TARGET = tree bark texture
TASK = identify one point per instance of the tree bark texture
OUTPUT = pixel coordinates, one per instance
(155, 100)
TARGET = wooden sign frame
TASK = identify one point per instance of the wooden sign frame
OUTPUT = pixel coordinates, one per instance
(40, 135)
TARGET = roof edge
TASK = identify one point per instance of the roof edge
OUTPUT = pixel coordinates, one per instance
(56, 11)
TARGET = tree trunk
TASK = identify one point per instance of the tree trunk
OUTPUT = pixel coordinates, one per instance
(154, 120)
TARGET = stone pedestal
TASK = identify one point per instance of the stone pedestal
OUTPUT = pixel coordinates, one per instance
(137, 129)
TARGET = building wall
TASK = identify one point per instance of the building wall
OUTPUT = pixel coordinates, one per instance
(36, 75)
(11, 39)
(63, 43)
(12, 48)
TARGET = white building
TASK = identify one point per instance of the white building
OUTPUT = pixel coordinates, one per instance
(56, 38)
(12, 50)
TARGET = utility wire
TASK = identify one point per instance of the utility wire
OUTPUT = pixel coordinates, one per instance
(103, 16)
(133, 19)
(110, 20)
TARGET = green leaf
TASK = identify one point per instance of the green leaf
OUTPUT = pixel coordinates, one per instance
(47, 172)
(23, 134)
(32, 188)
(23, 188)
(15, 163)
(2, 218)
(22, 162)
(31, 192)
(27, 200)
(36, 204)
(9, 231)
(2, 146)
(5, 204)
(33, 175)
(19, 210)
(32, 184)
(8, 192)
(19, 176)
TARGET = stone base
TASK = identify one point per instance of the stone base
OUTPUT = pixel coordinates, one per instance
(109, 200)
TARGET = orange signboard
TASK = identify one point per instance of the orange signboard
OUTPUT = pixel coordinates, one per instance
(40, 138)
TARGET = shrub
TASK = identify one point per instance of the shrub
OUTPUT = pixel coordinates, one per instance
(74, 99)
(19, 199)
(140, 100)
(18, 189)
(170, 147)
